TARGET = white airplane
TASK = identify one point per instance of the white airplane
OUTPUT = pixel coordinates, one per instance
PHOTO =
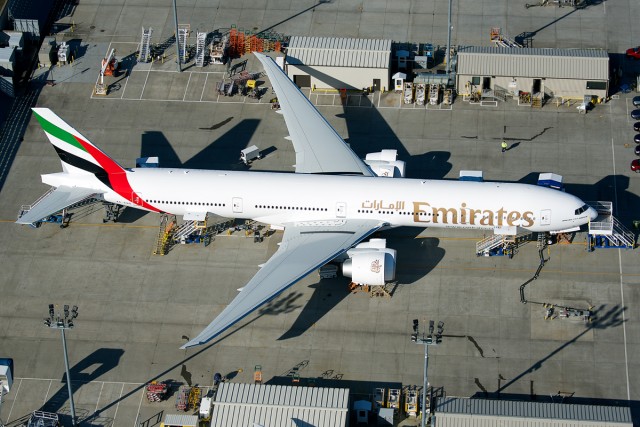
(332, 202)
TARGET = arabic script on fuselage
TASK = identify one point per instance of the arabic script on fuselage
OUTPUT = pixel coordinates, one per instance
(464, 215)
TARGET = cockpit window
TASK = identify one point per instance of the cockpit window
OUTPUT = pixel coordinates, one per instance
(582, 209)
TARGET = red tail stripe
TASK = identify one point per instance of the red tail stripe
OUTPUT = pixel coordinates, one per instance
(117, 175)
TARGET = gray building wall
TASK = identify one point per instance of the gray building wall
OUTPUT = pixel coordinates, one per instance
(340, 77)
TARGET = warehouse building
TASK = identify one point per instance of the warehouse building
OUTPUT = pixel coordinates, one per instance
(469, 412)
(339, 63)
(532, 74)
(279, 406)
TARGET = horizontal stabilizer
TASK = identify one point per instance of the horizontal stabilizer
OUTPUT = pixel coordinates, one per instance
(53, 202)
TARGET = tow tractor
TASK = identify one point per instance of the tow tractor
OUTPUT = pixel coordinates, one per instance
(109, 67)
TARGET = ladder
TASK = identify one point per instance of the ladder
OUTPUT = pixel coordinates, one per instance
(536, 101)
(145, 51)
(167, 225)
(200, 48)
(502, 40)
(183, 36)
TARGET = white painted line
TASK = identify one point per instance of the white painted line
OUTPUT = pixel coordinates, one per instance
(98, 400)
(204, 86)
(118, 404)
(135, 423)
(145, 83)
(14, 401)
(624, 320)
(47, 394)
(187, 88)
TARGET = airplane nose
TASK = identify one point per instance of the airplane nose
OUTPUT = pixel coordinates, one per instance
(593, 214)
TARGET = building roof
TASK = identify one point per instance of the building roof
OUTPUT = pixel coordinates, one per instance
(584, 64)
(339, 52)
(279, 406)
(180, 420)
(540, 410)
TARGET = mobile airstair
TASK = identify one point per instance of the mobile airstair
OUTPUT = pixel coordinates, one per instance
(501, 244)
(145, 41)
(606, 231)
(501, 39)
(201, 39)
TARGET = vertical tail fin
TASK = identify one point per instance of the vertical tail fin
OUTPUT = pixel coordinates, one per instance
(74, 149)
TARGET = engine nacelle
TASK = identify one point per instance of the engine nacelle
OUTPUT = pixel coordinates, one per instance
(386, 164)
(371, 263)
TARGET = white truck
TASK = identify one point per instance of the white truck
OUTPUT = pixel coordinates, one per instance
(250, 154)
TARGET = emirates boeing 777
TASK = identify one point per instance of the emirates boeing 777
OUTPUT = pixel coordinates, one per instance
(332, 202)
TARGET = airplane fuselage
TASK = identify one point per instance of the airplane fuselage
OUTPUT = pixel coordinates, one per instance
(279, 198)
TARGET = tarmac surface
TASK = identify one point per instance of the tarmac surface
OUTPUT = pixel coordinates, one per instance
(136, 309)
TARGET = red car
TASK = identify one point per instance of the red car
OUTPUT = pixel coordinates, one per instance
(635, 165)
(634, 52)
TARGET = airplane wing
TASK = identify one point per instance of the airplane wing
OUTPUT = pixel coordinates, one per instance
(319, 149)
(54, 201)
(305, 247)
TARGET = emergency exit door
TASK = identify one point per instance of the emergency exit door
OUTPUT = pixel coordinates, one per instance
(236, 203)
(341, 209)
(545, 217)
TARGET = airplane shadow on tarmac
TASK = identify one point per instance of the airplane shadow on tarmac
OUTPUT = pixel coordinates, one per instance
(612, 188)
(221, 154)
(88, 369)
(415, 259)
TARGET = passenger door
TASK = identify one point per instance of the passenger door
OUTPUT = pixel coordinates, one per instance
(545, 217)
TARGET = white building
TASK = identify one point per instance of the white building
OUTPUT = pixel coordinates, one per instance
(339, 63)
(279, 406)
(555, 73)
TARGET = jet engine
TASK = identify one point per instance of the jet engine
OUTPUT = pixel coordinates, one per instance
(371, 263)
(385, 163)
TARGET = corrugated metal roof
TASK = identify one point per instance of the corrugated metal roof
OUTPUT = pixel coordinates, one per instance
(521, 409)
(276, 406)
(339, 52)
(584, 64)
(180, 420)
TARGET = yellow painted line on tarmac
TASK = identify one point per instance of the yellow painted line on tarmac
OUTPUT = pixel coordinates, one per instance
(544, 271)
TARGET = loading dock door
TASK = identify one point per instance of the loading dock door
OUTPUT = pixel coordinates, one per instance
(376, 85)
(302, 80)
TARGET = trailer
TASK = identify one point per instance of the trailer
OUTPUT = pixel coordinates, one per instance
(408, 93)
(250, 154)
(420, 93)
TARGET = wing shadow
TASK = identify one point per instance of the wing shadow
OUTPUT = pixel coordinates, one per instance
(369, 132)
(416, 258)
(221, 154)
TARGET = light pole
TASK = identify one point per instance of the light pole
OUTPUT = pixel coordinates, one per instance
(62, 323)
(419, 338)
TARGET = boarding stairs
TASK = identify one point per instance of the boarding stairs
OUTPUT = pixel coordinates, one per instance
(606, 231)
(167, 228)
(145, 42)
(201, 39)
(495, 244)
(26, 208)
(188, 228)
(183, 36)
(502, 40)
